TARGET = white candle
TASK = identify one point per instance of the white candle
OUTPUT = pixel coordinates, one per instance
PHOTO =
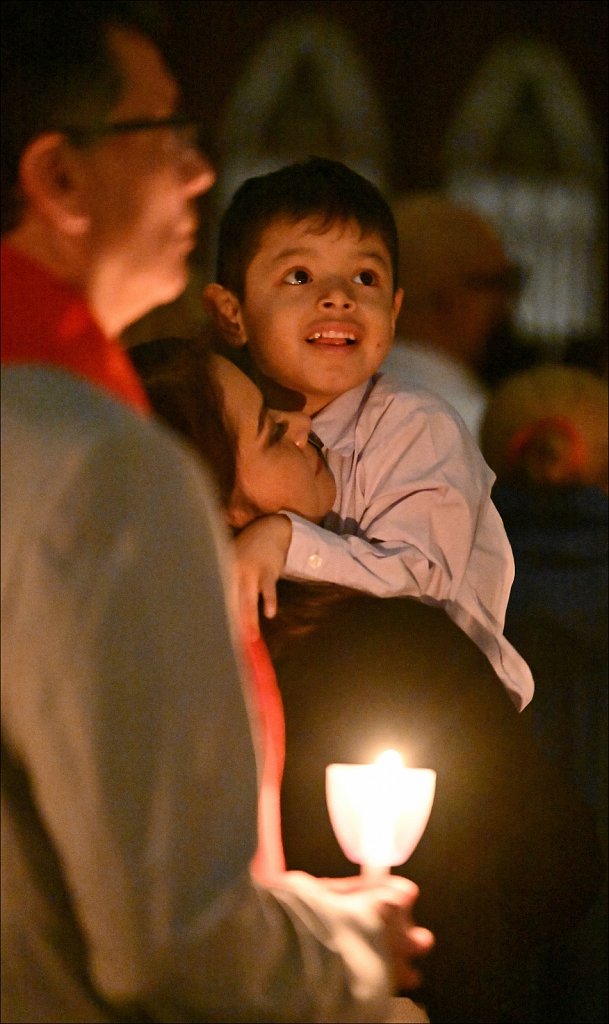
(379, 811)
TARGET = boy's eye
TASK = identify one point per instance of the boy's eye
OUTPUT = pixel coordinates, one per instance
(367, 277)
(297, 277)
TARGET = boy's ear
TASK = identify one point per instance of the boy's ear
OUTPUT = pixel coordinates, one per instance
(397, 305)
(52, 185)
(225, 309)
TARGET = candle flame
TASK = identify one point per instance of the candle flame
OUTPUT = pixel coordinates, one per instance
(390, 759)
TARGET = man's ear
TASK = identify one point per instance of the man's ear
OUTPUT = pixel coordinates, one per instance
(225, 309)
(51, 184)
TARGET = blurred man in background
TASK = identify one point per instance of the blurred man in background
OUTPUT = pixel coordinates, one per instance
(459, 286)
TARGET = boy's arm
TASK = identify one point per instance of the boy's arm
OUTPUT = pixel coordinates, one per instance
(414, 515)
(381, 568)
(387, 569)
(414, 519)
(288, 545)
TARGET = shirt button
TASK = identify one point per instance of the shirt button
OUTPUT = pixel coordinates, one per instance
(315, 561)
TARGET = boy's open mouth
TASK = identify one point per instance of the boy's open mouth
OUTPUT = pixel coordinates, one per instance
(334, 338)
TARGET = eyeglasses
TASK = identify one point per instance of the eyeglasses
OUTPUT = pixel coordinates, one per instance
(511, 280)
(186, 130)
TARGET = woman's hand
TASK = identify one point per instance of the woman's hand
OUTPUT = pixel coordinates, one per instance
(262, 548)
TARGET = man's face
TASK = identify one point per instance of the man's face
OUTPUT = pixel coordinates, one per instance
(486, 292)
(319, 309)
(140, 188)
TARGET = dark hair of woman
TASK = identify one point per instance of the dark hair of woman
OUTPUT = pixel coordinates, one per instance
(176, 375)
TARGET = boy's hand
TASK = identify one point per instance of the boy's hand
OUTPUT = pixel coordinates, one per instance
(262, 548)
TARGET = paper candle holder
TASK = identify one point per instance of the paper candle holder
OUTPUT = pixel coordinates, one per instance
(379, 811)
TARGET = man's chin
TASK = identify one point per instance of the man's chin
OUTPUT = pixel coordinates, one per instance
(170, 288)
(154, 295)
(176, 284)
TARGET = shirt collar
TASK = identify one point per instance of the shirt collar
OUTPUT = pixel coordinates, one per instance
(335, 424)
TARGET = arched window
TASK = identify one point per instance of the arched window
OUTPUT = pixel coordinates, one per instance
(305, 91)
(523, 150)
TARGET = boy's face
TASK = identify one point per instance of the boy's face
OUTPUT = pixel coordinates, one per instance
(319, 310)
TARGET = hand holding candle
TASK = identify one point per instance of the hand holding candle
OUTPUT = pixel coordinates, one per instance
(379, 811)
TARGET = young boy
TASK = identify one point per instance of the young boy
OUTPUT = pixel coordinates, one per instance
(307, 279)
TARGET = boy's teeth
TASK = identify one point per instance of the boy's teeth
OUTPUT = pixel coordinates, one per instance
(331, 334)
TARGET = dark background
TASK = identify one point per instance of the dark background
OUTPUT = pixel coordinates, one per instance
(421, 56)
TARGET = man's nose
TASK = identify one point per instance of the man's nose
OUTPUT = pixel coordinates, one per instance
(199, 172)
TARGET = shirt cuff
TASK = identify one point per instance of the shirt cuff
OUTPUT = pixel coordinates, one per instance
(307, 553)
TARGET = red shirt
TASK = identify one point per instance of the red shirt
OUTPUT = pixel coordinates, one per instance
(44, 321)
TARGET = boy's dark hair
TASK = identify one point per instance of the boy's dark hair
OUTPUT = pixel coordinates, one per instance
(57, 70)
(313, 188)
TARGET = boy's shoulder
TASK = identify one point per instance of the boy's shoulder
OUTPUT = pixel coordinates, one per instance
(386, 391)
(386, 383)
(383, 406)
